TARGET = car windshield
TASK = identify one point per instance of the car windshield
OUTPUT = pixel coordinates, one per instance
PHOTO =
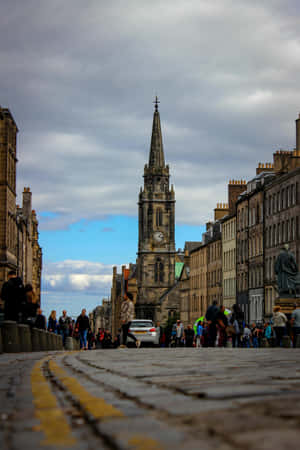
(141, 324)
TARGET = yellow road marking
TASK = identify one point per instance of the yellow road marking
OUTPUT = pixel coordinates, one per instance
(52, 420)
(140, 442)
(96, 406)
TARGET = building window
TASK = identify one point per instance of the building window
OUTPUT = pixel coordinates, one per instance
(158, 217)
(159, 271)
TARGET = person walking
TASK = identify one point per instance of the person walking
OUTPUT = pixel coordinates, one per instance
(127, 316)
(13, 296)
(40, 320)
(189, 336)
(268, 333)
(211, 318)
(199, 333)
(179, 333)
(52, 322)
(279, 324)
(83, 325)
(295, 321)
(30, 306)
(222, 323)
(246, 336)
(64, 326)
(255, 334)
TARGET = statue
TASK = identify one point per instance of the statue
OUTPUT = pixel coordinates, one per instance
(288, 276)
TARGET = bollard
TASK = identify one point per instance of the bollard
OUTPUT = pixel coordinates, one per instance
(60, 343)
(35, 340)
(43, 340)
(52, 340)
(286, 342)
(69, 343)
(25, 338)
(1, 342)
(48, 341)
(264, 342)
(297, 340)
(10, 337)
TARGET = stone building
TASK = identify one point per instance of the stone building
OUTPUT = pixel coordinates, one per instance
(228, 223)
(198, 282)
(229, 260)
(101, 316)
(8, 161)
(242, 262)
(124, 282)
(19, 246)
(282, 221)
(214, 266)
(156, 246)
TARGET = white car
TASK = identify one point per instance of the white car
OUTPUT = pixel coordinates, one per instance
(145, 331)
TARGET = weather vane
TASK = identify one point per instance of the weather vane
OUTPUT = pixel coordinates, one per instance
(156, 102)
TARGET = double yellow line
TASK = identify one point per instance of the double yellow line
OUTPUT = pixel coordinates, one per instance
(53, 423)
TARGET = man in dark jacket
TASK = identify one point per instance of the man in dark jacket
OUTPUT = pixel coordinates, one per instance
(40, 321)
(13, 295)
(83, 325)
(211, 317)
(64, 326)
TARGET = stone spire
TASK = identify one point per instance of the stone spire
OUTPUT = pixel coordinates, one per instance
(156, 157)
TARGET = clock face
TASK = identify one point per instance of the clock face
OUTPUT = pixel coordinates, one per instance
(158, 236)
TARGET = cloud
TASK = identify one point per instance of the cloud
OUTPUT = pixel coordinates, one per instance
(80, 80)
(107, 230)
(77, 276)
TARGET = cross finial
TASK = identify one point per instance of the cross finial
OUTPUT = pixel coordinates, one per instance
(156, 102)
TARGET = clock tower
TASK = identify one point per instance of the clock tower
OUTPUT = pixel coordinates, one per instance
(156, 246)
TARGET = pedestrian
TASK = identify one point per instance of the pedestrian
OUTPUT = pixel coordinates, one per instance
(159, 330)
(295, 321)
(279, 323)
(83, 324)
(189, 336)
(107, 343)
(179, 333)
(246, 336)
(254, 335)
(211, 317)
(237, 320)
(222, 323)
(52, 322)
(30, 306)
(268, 332)
(40, 320)
(90, 339)
(199, 333)
(13, 295)
(236, 333)
(127, 316)
(64, 326)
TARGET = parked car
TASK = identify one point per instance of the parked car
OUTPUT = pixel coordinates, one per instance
(145, 331)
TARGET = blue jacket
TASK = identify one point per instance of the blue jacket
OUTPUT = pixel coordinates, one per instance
(268, 332)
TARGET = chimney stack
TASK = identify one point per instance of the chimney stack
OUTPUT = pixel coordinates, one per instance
(26, 205)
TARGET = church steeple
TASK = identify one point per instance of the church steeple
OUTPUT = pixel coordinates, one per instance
(156, 156)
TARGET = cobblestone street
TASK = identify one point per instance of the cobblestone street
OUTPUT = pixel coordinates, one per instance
(151, 399)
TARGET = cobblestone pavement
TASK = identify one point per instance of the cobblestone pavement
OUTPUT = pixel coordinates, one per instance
(150, 399)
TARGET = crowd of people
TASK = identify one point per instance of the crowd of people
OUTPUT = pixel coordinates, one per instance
(228, 329)
(219, 327)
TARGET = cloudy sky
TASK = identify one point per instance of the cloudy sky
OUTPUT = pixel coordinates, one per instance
(80, 78)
